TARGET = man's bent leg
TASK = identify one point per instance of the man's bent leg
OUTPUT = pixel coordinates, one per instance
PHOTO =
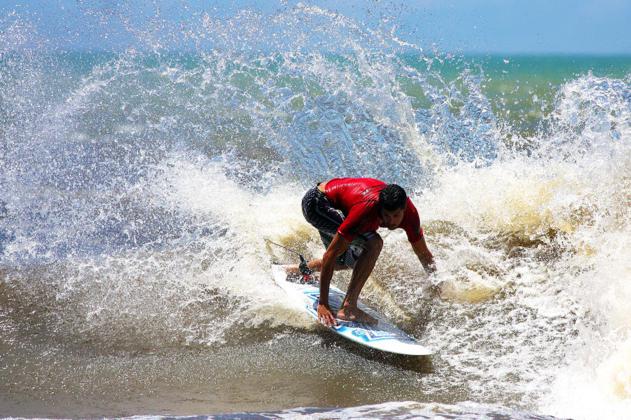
(364, 266)
(319, 212)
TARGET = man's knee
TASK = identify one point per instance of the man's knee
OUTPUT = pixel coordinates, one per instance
(374, 245)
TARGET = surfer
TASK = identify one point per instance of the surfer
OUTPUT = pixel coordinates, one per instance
(347, 213)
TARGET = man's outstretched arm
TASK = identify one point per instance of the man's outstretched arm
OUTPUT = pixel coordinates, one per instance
(424, 255)
(338, 246)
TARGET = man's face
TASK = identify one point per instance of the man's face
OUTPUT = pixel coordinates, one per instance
(392, 218)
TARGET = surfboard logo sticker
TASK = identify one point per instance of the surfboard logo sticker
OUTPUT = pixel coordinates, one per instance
(364, 332)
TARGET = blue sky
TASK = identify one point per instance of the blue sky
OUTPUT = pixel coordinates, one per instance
(461, 26)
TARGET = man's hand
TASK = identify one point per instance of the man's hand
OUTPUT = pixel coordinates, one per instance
(424, 255)
(325, 316)
(430, 267)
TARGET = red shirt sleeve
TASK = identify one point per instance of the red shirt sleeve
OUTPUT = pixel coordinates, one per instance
(411, 223)
(357, 217)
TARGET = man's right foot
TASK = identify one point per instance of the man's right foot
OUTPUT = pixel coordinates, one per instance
(354, 314)
(291, 268)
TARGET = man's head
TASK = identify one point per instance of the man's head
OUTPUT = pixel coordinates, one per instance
(392, 200)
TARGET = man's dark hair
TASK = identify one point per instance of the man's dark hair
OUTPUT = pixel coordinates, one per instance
(392, 197)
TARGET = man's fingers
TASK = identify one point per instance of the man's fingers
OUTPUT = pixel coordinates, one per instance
(328, 320)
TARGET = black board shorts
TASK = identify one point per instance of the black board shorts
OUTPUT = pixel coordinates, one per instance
(318, 211)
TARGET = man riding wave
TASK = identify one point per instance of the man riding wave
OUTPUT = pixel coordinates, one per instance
(347, 213)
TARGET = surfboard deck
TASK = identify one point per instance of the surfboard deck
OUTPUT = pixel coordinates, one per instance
(383, 336)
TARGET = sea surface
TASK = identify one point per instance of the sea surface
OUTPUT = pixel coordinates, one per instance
(138, 186)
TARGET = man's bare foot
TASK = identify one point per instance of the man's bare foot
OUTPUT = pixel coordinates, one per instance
(291, 268)
(353, 313)
(295, 276)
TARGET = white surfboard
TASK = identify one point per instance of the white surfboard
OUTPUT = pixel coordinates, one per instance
(382, 336)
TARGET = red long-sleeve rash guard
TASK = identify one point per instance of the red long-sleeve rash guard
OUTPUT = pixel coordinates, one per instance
(358, 199)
